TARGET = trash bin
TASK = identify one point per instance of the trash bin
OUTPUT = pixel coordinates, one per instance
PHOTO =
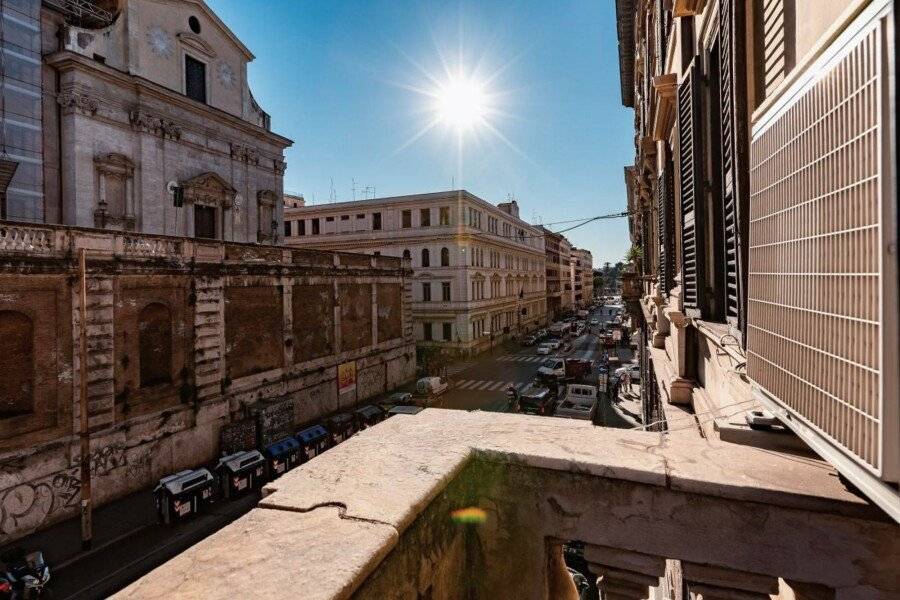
(340, 427)
(313, 442)
(367, 416)
(282, 456)
(183, 494)
(241, 472)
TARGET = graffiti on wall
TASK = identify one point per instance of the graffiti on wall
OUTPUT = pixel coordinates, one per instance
(371, 381)
(26, 506)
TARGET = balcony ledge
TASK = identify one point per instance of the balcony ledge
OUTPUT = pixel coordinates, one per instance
(372, 512)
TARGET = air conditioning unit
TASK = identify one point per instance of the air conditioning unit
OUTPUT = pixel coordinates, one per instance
(822, 340)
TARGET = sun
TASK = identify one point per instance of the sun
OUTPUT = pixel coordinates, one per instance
(461, 103)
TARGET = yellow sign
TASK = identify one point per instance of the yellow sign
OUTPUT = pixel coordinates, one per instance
(346, 376)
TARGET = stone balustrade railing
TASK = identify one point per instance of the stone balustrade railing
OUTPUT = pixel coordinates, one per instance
(23, 239)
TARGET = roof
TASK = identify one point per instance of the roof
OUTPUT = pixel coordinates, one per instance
(411, 198)
(221, 25)
(625, 14)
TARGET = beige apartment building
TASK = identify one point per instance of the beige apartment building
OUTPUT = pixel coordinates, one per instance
(764, 200)
(479, 270)
(582, 272)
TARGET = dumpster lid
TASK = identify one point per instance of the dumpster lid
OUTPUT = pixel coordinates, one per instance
(240, 460)
(406, 410)
(282, 446)
(340, 419)
(184, 480)
(312, 434)
(369, 411)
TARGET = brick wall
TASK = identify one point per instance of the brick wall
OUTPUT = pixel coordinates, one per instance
(184, 337)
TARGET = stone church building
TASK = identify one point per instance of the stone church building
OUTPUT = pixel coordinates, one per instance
(149, 125)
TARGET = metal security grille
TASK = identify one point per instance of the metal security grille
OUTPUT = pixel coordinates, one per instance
(733, 151)
(689, 140)
(818, 170)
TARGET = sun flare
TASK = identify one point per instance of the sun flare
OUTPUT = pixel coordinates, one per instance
(461, 103)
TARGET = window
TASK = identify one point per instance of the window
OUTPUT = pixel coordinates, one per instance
(426, 291)
(302, 225)
(204, 221)
(691, 154)
(194, 79)
(444, 215)
(155, 341)
(445, 291)
(376, 221)
(194, 24)
(16, 364)
(407, 255)
(315, 226)
(426, 258)
(445, 257)
(448, 332)
(345, 217)
(287, 228)
(360, 216)
(425, 217)
(406, 219)
(426, 331)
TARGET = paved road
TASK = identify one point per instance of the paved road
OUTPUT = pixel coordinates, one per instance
(482, 383)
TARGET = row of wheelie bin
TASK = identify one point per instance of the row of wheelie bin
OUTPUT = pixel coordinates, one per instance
(187, 493)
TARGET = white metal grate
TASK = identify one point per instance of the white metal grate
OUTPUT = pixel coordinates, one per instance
(815, 299)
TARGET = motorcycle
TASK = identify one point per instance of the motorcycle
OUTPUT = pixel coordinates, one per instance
(23, 576)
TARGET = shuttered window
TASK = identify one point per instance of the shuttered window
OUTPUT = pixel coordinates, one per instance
(733, 152)
(691, 180)
(665, 211)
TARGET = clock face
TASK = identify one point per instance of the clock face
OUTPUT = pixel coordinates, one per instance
(160, 42)
(226, 75)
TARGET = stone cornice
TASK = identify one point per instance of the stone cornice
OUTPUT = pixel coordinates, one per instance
(687, 8)
(82, 102)
(65, 60)
(666, 88)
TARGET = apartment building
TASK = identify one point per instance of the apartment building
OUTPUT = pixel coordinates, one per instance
(559, 274)
(479, 270)
(582, 277)
(764, 199)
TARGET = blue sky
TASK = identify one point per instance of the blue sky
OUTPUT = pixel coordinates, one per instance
(343, 79)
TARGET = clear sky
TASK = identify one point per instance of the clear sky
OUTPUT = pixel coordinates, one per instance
(356, 84)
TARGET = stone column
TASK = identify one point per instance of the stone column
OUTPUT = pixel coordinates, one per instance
(680, 387)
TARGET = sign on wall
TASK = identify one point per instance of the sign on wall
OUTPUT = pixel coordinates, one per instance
(275, 420)
(238, 436)
(346, 376)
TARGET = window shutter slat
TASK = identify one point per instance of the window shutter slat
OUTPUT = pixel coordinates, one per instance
(666, 229)
(690, 151)
(733, 109)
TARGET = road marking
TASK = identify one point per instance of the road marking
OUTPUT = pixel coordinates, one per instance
(497, 385)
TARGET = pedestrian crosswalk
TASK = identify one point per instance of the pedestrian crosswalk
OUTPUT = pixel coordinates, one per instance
(522, 358)
(481, 385)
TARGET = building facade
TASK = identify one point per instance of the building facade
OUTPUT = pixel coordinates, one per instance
(178, 144)
(582, 277)
(479, 270)
(763, 199)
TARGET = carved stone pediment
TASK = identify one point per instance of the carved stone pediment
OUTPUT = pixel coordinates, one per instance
(209, 189)
(195, 42)
(114, 165)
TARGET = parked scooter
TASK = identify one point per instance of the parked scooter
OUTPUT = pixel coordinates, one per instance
(25, 575)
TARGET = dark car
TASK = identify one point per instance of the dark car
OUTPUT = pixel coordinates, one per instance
(536, 400)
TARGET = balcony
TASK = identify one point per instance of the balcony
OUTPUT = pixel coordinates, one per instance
(374, 518)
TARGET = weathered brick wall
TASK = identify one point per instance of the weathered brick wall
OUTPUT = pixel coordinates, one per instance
(245, 324)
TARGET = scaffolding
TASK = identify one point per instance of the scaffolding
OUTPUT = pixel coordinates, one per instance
(84, 13)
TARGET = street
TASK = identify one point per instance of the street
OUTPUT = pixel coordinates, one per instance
(482, 384)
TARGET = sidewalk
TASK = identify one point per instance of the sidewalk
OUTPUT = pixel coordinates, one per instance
(628, 405)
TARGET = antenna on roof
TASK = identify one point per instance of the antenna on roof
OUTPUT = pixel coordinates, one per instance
(331, 197)
(353, 187)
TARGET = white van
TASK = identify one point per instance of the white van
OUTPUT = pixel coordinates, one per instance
(579, 401)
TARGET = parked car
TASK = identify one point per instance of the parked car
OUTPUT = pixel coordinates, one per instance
(554, 343)
(554, 367)
(544, 349)
(529, 340)
(430, 387)
(400, 398)
(595, 322)
(633, 370)
(536, 400)
(579, 401)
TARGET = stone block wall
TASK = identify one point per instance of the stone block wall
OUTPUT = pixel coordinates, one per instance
(183, 337)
